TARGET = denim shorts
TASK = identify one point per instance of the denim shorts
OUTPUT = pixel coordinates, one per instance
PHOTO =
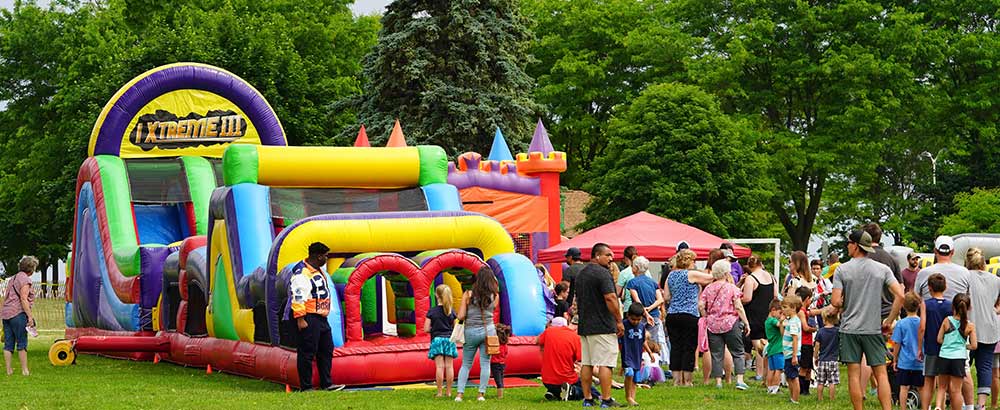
(791, 370)
(15, 336)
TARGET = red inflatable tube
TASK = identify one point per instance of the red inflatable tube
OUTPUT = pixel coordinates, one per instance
(77, 333)
(371, 364)
(190, 244)
(368, 268)
(101, 344)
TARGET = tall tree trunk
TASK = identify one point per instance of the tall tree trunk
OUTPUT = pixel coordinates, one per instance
(805, 206)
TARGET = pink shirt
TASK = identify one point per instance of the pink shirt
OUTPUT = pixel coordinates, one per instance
(11, 304)
(718, 299)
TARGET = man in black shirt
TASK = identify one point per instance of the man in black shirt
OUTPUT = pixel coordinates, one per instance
(569, 274)
(600, 323)
(884, 257)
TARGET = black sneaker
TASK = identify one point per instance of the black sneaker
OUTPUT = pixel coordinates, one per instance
(335, 387)
(564, 392)
(610, 403)
(588, 402)
(549, 396)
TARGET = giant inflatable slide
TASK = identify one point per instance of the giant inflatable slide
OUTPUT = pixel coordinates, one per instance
(191, 209)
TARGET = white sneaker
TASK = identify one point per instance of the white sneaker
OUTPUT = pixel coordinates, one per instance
(481, 398)
(458, 398)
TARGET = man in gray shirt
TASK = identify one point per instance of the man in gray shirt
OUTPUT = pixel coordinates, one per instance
(857, 293)
(956, 275)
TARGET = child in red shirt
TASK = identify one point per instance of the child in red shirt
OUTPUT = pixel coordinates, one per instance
(498, 362)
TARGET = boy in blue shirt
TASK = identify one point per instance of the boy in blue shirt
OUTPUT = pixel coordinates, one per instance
(791, 343)
(933, 312)
(632, 343)
(827, 343)
(906, 347)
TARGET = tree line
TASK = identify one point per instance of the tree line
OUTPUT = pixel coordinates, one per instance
(744, 118)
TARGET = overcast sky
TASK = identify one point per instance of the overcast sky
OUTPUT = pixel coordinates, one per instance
(359, 6)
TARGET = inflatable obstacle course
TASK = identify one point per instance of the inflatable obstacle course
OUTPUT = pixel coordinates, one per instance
(191, 211)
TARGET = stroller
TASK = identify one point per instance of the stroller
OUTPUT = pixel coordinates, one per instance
(912, 399)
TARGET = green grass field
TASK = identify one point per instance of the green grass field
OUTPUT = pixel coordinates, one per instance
(97, 382)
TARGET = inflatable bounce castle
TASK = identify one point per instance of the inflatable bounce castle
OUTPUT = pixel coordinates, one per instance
(191, 210)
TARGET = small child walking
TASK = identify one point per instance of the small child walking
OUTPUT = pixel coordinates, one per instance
(775, 358)
(827, 343)
(498, 362)
(909, 365)
(632, 346)
(957, 336)
(440, 323)
(808, 329)
(651, 372)
(791, 343)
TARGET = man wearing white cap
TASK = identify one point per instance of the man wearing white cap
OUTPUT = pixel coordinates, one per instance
(957, 281)
(956, 275)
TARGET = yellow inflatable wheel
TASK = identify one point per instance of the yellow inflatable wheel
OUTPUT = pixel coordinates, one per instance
(62, 353)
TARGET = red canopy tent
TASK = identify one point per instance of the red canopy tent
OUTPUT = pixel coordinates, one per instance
(654, 237)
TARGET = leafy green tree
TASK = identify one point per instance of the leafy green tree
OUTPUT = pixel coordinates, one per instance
(450, 71)
(826, 84)
(977, 212)
(673, 152)
(61, 64)
(591, 57)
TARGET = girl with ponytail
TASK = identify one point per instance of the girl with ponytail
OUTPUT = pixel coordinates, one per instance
(956, 336)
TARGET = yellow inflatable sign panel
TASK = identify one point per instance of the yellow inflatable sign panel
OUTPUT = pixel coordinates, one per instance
(186, 122)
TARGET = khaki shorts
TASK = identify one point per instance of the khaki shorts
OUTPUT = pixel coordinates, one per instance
(599, 350)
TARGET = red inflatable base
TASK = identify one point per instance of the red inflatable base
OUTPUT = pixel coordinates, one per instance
(387, 360)
(391, 360)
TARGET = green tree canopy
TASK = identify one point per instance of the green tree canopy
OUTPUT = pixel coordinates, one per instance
(825, 83)
(592, 57)
(673, 152)
(977, 212)
(61, 64)
(450, 71)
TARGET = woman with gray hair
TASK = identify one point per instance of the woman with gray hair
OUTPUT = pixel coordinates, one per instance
(644, 290)
(984, 290)
(16, 314)
(725, 320)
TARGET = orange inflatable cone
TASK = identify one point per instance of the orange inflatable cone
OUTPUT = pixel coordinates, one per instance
(208, 370)
(362, 139)
(396, 139)
(156, 358)
(288, 388)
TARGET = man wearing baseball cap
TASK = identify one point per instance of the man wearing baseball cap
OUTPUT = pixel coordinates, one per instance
(857, 293)
(956, 276)
(728, 250)
(574, 267)
(910, 272)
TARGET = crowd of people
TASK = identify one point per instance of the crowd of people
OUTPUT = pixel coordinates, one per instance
(940, 321)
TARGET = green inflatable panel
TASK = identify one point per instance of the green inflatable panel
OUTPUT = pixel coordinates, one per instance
(201, 183)
(118, 204)
(369, 300)
(222, 316)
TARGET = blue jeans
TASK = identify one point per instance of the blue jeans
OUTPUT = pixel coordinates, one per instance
(475, 339)
(983, 358)
(14, 333)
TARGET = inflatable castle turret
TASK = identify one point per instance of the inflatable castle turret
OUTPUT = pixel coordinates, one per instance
(521, 192)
